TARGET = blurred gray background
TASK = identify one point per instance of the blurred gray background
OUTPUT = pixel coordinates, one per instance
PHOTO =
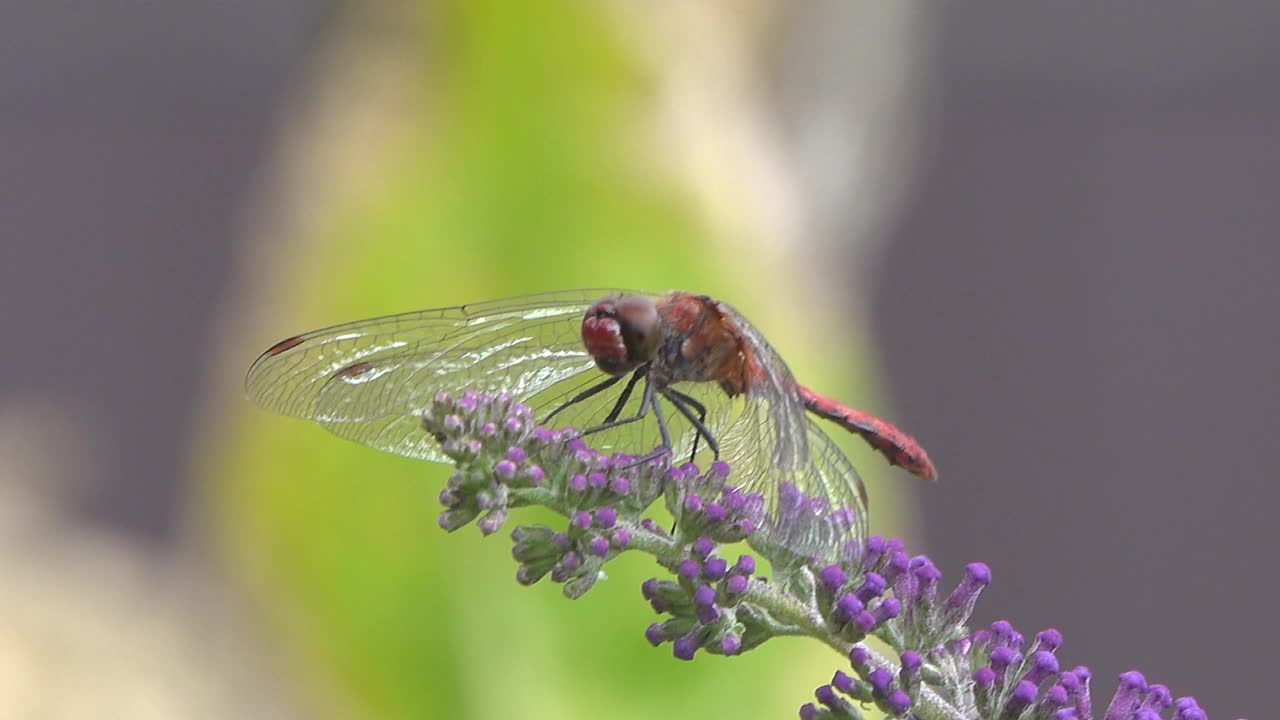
(1074, 305)
(1078, 310)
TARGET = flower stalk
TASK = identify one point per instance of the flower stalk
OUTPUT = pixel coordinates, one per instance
(715, 602)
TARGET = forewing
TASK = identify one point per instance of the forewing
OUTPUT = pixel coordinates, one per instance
(369, 381)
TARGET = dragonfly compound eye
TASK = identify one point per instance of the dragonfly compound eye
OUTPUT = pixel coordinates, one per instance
(602, 336)
(621, 334)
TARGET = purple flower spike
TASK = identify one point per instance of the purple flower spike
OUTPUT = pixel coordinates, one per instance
(715, 568)
(1043, 665)
(620, 486)
(827, 696)
(843, 683)
(1057, 697)
(649, 588)
(1187, 709)
(1001, 630)
(621, 538)
(736, 584)
(1002, 657)
(746, 565)
(452, 423)
(1146, 714)
(865, 622)
(515, 454)
(513, 425)
(833, 577)
(492, 522)
(542, 435)
(685, 647)
(598, 480)
(809, 711)
(960, 603)
(1023, 695)
(1158, 698)
(653, 634)
(898, 702)
(689, 569)
(714, 512)
(875, 549)
(848, 607)
(692, 504)
(911, 662)
(606, 517)
(702, 547)
(719, 470)
(505, 469)
(1049, 639)
(897, 566)
(859, 658)
(582, 519)
(449, 498)
(730, 645)
(873, 586)
(707, 614)
(888, 609)
(578, 483)
(881, 680)
(704, 596)
(599, 546)
(1128, 696)
(984, 677)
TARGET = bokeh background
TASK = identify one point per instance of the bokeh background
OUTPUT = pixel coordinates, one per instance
(1040, 236)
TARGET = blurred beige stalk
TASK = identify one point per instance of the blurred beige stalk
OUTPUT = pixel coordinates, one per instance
(92, 626)
(792, 126)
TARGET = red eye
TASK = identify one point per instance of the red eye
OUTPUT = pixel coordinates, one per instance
(602, 337)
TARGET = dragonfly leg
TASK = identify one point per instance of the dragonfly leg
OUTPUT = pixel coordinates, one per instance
(626, 393)
(610, 422)
(594, 389)
(651, 400)
(682, 403)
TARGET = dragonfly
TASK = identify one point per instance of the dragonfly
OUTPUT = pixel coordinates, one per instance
(638, 372)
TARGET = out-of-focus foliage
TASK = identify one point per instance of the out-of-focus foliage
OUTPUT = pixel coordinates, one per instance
(524, 178)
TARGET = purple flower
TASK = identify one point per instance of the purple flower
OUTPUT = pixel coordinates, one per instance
(599, 546)
(606, 517)
(702, 547)
(833, 578)
(689, 569)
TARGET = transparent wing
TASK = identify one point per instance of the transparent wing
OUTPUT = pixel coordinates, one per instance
(815, 500)
(368, 381)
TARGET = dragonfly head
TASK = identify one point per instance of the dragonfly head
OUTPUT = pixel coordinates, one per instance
(621, 333)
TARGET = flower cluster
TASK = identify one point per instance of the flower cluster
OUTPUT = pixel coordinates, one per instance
(705, 604)
(943, 670)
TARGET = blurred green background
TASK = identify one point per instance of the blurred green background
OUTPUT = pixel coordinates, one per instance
(525, 166)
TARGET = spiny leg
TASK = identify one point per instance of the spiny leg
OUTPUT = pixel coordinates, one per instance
(682, 403)
(593, 390)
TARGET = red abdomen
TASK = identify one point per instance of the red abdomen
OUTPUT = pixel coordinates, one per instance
(900, 448)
